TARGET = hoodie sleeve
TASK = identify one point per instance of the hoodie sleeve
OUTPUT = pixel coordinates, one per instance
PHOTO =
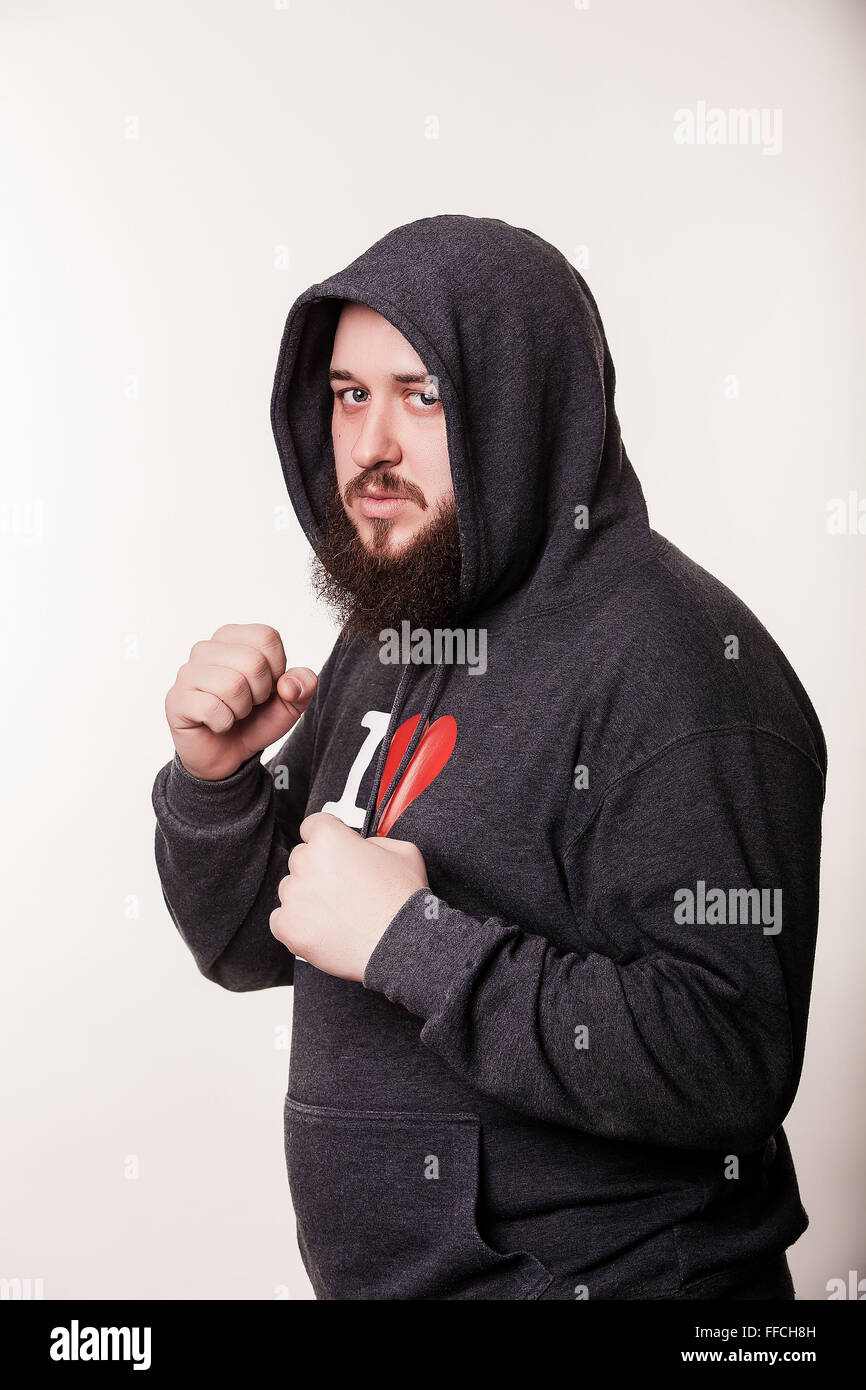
(651, 1027)
(222, 847)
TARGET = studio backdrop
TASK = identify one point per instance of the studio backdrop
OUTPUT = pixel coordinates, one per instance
(173, 177)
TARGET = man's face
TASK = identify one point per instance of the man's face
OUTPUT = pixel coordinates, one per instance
(390, 547)
(388, 431)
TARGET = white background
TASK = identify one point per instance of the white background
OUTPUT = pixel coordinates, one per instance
(173, 176)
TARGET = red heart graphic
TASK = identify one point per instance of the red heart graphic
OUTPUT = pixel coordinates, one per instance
(434, 749)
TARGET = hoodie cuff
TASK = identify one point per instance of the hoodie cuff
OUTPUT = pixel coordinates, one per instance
(203, 802)
(425, 950)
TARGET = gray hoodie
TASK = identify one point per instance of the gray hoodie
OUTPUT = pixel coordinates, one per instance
(565, 1073)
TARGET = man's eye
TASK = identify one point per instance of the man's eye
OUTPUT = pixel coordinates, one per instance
(426, 399)
(341, 394)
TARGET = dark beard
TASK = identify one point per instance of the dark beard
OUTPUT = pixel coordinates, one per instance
(369, 591)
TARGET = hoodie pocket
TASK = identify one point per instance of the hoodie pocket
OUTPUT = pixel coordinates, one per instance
(385, 1204)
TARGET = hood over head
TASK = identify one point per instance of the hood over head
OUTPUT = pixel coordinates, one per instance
(548, 505)
(513, 334)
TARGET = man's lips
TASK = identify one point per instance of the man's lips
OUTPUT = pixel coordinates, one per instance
(381, 504)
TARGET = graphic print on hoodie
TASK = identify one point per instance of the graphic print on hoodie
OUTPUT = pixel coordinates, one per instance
(565, 1073)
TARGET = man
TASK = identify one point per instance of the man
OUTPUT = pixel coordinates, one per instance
(541, 854)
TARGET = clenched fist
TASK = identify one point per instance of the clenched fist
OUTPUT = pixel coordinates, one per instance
(234, 697)
(341, 893)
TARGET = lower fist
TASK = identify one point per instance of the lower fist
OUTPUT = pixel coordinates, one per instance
(341, 893)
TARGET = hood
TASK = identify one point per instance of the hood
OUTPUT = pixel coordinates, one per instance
(548, 505)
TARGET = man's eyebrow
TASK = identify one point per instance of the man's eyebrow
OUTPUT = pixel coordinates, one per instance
(406, 378)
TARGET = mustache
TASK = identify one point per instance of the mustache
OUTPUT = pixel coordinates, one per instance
(384, 482)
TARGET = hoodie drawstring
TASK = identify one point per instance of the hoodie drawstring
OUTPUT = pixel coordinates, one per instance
(374, 813)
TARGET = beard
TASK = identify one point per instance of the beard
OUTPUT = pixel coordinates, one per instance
(369, 590)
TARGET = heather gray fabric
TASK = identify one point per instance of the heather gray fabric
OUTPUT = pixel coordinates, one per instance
(549, 1084)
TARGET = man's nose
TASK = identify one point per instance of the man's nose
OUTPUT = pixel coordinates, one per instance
(377, 442)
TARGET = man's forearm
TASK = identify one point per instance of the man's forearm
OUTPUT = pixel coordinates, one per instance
(220, 856)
